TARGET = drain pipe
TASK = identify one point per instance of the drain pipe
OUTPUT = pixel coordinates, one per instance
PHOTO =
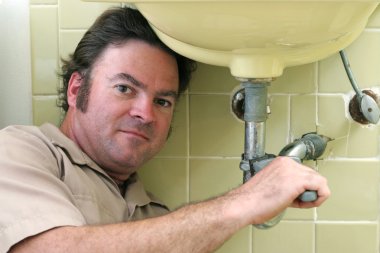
(309, 147)
(255, 115)
(250, 104)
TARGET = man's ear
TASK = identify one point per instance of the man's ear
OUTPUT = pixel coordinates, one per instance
(73, 88)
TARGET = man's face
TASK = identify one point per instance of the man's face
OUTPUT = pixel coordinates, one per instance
(132, 97)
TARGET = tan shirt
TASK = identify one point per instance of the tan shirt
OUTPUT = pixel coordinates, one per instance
(46, 181)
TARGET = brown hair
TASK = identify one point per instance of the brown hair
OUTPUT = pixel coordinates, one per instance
(114, 26)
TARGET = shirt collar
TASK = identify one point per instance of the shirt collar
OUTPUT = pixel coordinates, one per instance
(73, 152)
(55, 135)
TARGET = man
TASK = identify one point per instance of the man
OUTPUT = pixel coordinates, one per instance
(74, 189)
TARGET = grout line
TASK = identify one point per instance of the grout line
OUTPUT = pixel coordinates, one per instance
(316, 88)
(314, 239)
(50, 96)
(377, 237)
(187, 155)
(210, 93)
(59, 63)
(377, 222)
(42, 5)
(72, 30)
(352, 159)
(250, 241)
(347, 222)
(371, 29)
(332, 222)
(289, 125)
(292, 94)
(188, 146)
(348, 139)
(216, 157)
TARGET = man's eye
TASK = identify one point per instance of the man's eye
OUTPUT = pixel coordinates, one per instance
(123, 88)
(163, 102)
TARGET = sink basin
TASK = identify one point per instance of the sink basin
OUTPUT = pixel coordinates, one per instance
(256, 39)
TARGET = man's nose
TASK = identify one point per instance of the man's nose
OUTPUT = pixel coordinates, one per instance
(143, 109)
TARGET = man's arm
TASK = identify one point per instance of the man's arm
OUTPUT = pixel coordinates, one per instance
(201, 227)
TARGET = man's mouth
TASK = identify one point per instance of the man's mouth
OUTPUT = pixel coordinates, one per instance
(137, 134)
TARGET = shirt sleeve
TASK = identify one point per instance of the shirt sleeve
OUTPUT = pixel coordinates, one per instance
(33, 199)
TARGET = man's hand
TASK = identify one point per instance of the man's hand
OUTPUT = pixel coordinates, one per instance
(277, 187)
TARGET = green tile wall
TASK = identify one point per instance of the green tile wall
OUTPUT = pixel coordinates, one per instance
(201, 158)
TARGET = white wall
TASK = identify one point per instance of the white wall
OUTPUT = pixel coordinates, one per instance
(15, 67)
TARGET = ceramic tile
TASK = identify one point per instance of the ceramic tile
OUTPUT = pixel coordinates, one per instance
(167, 180)
(68, 41)
(354, 188)
(44, 47)
(214, 130)
(332, 76)
(76, 14)
(362, 55)
(177, 143)
(277, 125)
(349, 142)
(285, 237)
(363, 141)
(336, 148)
(298, 79)
(45, 110)
(303, 115)
(238, 243)
(347, 238)
(333, 123)
(212, 177)
(208, 78)
(296, 214)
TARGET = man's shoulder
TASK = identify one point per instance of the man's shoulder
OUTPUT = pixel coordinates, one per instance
(19, 131)
(23, 147)
(26, 139)
(22, 132)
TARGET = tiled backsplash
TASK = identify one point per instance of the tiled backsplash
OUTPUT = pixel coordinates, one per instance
(202, 156)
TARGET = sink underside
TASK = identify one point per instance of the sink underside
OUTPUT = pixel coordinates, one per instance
(257, 39)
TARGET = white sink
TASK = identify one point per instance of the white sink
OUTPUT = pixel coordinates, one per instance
(256, 39)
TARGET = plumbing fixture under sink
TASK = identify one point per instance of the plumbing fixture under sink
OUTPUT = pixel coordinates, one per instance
(309, 147)
(254, 158)
(256, 38)
(368, 108)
